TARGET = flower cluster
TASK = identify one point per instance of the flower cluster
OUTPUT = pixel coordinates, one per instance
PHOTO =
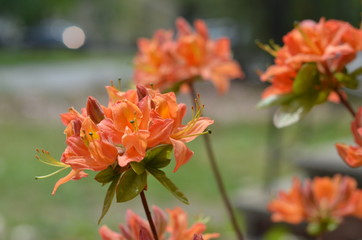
(310, 68)
(176, 228)
(323, 202)
(352, 155)
(165, 62)
(330, 44)
(121, 133)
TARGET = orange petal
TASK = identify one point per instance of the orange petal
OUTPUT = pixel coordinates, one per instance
(160, 132)
(351, 155)
(182, 153)
(201, 28)
(183, 27)
(108, 234)
(73, 175)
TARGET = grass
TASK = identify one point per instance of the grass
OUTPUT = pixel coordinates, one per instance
(26, 56)
(241, 150)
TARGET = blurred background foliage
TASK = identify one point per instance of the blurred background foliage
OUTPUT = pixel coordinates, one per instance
(40, 78)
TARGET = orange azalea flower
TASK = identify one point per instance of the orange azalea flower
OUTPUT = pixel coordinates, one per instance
(352, 155)
(133, 122)
(321, 200)
(155, 63)
(177, 229)
(288, 207)
(165, 62)
(203, 57)
(167, 125)
(330, 44)
(155, 119)
(358, 209)
(136, 228)
(87, 149)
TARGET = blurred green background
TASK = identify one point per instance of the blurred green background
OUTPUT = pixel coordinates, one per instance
(40, 77)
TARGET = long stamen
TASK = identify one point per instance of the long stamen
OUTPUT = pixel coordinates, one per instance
(119, 83)
(267, 48)
(45, 157)
(53, 173)
(208, 131)
(196, 115)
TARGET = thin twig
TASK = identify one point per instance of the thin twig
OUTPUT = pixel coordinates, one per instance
(217, 175)
(345, 103)
(148, 214)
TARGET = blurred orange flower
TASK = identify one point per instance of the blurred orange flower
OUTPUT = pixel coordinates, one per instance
(288, 207)
(179, 230)
(322, 201)
(330, 44)
(352, 155)
(155, 62)
(176, 228)
(165, 63)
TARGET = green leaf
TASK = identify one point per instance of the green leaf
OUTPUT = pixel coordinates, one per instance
(139, 168)
(106, 175)
(130, 185)
(323, 226)
(306, 79)
(158, 157)
(314, 228)
(347, 80)
(332, 225)
(289, 114)
(168, 184)
(356, 72)
(108, 199)
(275, 100)
(322, 96)
(295, 110)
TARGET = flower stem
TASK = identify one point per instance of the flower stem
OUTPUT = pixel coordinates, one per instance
(345, 103)
(321, 236)
(148, 214)
(217, 174)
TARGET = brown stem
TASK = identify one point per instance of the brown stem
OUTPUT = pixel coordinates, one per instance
(321, 236)
(217, 175)
(148, 214)
(345, 103)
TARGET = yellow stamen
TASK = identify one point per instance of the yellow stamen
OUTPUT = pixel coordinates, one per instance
(45, 157)
(196, 115)
(53, 173)
(267, 48)
(198, 134)
(119, 83)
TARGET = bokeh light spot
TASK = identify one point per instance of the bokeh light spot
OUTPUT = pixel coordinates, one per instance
(73, 37)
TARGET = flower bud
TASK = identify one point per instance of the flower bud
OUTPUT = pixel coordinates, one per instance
(94, 110)
(197, 237)
(141, 92)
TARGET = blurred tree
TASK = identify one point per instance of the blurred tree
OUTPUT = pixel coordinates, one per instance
(31, 12)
